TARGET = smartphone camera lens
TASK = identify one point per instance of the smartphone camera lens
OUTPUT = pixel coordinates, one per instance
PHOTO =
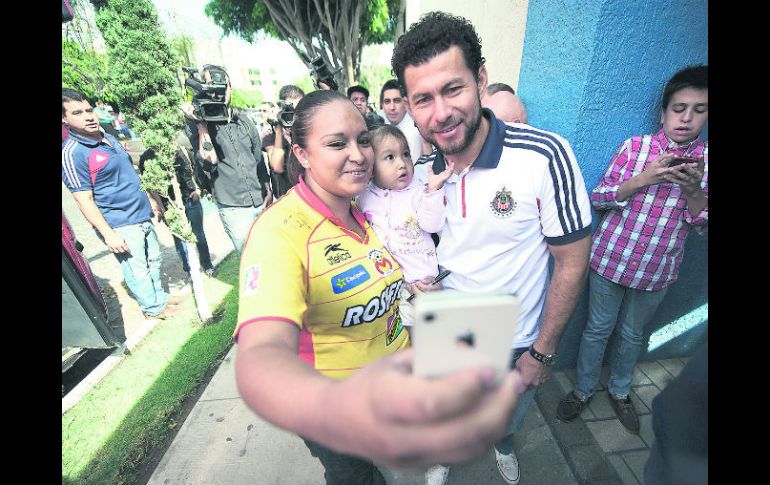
(429, 317)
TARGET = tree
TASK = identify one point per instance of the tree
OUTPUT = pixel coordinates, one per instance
(336, 30)
(83, 68)
(141, 73)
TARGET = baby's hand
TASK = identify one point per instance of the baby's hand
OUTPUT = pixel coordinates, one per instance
(436, 181)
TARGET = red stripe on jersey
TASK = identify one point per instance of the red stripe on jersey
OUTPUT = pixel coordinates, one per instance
(305, 351)
(240, 326)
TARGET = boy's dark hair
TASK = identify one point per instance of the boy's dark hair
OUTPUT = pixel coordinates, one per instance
(290, 91)
(690, 77)
(497, 87)
(433, 34)
(381, 132)
(390, 84)
(69, 94)
(358, 89)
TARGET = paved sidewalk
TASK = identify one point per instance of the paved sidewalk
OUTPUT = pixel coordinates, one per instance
(124, 313)
(223, 442)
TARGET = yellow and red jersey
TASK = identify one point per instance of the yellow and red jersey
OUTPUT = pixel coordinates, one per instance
(302, 266)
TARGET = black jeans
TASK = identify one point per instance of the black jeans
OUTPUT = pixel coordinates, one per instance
(342, 469)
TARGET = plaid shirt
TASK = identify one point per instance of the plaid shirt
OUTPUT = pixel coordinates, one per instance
(639, 242)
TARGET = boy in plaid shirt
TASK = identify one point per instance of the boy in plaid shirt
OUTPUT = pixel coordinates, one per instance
(655, 189)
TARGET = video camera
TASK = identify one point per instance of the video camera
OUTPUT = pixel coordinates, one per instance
(321, 74)
(285, 114)
(208, 99)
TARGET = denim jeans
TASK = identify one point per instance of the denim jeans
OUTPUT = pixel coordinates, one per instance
(194, 211)
(237, 222)
(606, 302)
(342, 469)
(505, 445)
(141, 267)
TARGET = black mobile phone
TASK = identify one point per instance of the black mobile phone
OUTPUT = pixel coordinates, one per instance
(680, 160)
(442, 274)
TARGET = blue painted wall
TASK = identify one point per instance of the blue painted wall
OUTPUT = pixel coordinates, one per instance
(593, 71)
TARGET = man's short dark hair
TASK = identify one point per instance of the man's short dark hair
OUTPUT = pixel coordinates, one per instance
(433, 34)
(69, 94)
(290, 91)
(358, 89)
(497, 87)
(690, 77)
(390, 84)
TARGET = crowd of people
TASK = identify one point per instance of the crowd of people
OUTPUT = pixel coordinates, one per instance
(340, 213)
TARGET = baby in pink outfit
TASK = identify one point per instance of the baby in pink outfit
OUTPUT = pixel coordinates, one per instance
(403, 211)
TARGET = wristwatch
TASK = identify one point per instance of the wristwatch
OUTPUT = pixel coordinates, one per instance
(207, 145)
(547, 360)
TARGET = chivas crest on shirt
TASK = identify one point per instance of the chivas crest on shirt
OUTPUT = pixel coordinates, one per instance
(503, 204)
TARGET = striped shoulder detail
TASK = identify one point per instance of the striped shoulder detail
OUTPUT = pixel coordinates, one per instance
(68, 164)
(426, 158)
(561, 167)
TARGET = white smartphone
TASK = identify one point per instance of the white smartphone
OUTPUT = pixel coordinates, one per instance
(455, 330)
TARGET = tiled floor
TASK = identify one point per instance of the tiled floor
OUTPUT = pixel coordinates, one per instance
(626, 452)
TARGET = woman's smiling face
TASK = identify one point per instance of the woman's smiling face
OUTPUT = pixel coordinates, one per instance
(338, 155)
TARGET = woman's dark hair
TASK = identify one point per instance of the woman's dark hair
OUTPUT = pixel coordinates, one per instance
(432, 35)
(303, 119)
(690, 77)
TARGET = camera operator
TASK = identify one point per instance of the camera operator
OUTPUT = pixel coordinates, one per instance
(277, 145)
(228, 148)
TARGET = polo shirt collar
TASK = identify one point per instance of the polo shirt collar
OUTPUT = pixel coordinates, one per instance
(91, 142)
(490, 153)
(309, 197)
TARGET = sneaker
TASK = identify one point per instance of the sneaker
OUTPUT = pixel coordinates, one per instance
(624, 408)
(166, 313)
(437, 475)
(571, 406)
(508, 466)
(211, 272)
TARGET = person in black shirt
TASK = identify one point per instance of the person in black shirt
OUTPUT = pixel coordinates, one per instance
(191, 196)
(277, 145)
(230, 154)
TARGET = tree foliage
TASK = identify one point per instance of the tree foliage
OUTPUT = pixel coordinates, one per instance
(141, 74)
(336, 30)
(83, 68)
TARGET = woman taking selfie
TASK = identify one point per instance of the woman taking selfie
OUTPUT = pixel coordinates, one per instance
(319, 333)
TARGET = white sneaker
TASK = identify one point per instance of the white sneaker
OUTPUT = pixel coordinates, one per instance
(437, 475)
(508, 466)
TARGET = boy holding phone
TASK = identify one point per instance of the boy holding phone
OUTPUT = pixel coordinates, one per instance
(654, 190)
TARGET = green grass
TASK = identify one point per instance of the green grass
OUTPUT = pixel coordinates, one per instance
(110, 431)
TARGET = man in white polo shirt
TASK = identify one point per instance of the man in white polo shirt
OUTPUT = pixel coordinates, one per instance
(516, 197)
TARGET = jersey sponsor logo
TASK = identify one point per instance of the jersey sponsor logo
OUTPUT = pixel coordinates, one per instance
(381, 264)
(503, 204)
(394, 328)
(349, 279)
(96, 161)
(338, 254)
(250, 280)
(374, 308)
